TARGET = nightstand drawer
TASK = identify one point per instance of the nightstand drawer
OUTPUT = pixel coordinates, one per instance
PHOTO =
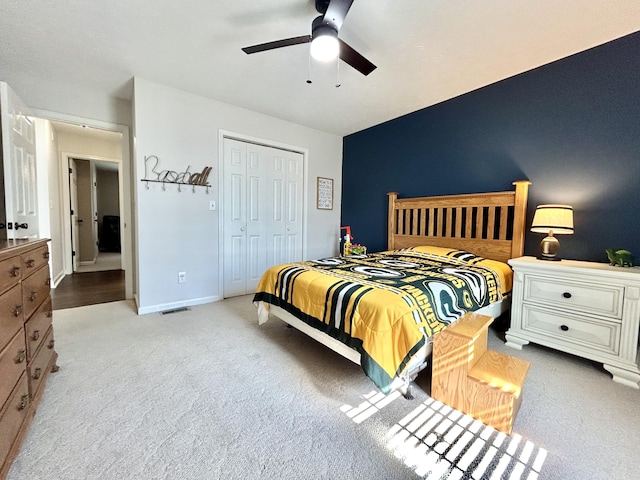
(576, 332)
(576, 296)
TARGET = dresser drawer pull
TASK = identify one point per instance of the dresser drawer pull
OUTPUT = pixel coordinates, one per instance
(36, 335)
(45, 255)
(17, 310)
(30, 263)
(49, 314)
(564, 328)
(36, 373)
(22, 355)
(24, 401)
(566, 295)
(14, 272)
(47, 282)
(33, 296)
(51, 344)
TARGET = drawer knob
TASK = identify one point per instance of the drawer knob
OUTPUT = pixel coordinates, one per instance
(564, 328)
(17, 310)
(51, 344)
(24, 401)
(566, 295)
(21, 356)
(14, 272)
(36, 335)
(36, 374)
(49, 314)
(33, 296)
(45, 255)
(30, 263)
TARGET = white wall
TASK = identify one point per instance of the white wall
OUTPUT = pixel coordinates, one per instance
(176, 231)
(49, 196)
(82, 146)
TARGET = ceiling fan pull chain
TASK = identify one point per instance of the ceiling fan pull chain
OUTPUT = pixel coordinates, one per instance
(309, 76)
(338, 73)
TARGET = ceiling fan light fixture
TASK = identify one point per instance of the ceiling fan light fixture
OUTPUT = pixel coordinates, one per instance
(324, 45)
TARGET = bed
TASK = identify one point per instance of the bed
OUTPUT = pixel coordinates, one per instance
(446, 255)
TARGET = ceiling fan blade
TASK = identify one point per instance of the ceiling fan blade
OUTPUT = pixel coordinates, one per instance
(287, 42)
(353, 58)
(336, 12)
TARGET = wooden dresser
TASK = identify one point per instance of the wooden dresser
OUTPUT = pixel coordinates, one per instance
(27, 353)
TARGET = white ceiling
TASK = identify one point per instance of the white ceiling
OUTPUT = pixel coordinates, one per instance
(426, 51)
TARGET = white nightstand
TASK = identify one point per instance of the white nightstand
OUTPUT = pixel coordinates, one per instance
(584, 308)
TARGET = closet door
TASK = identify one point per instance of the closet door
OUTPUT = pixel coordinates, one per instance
(285, 230)
(262, 209)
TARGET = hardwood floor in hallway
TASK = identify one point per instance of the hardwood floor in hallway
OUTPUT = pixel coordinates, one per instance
(88, 288)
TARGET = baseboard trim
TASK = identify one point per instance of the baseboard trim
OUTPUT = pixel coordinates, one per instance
(170, 306)
(57, 279)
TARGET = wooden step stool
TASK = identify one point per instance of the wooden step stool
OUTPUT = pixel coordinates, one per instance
(484, 384)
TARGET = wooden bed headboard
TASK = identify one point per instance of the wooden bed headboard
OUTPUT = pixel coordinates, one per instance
(491, 225)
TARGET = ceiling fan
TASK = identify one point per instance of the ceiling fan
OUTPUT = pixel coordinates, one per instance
(325, 44)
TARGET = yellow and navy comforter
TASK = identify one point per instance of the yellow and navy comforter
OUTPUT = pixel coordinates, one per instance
(386, 304)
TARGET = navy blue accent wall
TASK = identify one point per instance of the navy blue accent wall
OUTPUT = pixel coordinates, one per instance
(571, 127)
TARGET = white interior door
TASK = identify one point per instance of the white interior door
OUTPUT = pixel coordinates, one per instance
(263, 198)
(19, 154)
(73, 196)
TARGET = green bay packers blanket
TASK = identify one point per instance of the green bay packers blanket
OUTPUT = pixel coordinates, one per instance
(385, 305)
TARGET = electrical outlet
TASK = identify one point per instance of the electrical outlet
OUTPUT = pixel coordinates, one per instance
(182, 277)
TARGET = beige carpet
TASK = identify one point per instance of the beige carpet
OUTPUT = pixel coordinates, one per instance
(207, 394)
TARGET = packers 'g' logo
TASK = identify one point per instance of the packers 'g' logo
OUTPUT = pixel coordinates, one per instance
(378, 272)
(331, 262)
(399, 264)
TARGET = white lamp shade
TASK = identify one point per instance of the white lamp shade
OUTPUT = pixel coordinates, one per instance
(555, 218)
(325, 46)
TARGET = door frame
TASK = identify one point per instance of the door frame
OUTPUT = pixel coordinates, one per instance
(125, 193)
(67, 158)
(222, 134)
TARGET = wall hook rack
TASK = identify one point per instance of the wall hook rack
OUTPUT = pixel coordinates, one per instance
(179, 184)
(172, 177)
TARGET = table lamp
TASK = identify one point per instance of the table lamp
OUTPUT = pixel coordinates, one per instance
(552, 219)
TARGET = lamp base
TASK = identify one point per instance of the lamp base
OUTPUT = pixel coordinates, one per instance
(549, 259)
(549, 246)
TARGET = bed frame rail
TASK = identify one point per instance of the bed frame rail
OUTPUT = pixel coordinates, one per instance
(491, 225)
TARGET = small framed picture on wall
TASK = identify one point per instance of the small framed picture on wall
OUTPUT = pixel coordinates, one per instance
(324, 194)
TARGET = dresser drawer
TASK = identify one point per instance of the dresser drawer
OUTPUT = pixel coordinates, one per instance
(13, 360)
(10, 273)
(575, 332)
(13, 415)
(35, 290)
(34, 259)
(11, 318)
(576, 296)
(37, 326)
(38, 366)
